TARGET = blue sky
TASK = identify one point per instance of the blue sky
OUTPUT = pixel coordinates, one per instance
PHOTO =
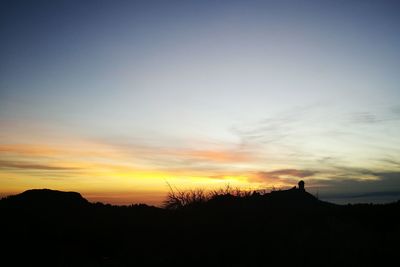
(201, 90)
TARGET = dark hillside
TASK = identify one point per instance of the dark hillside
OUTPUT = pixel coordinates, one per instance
(281, 228)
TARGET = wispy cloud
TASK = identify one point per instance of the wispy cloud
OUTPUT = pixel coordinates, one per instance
(363, 117)
(28, 150)
(180, 157)
(392, 162)
(368, 117)
(31, 166)
(384, 184)
(285, 175)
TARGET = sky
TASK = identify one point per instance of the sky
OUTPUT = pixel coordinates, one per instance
(118, 99)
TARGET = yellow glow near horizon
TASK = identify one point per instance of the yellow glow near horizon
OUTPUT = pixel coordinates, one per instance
(134, 173)
(120, 176)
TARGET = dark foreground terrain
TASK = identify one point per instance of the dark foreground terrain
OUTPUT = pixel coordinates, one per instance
(283, 228)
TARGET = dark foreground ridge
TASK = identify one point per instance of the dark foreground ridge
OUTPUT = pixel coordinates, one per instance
(282, 228)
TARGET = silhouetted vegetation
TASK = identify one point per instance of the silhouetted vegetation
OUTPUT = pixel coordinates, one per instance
(227, 227)
(177, 199)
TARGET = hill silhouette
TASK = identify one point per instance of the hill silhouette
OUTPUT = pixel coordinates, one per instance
(46, 198)
(225, 228)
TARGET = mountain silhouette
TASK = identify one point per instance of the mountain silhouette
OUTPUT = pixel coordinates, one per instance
(46, 198)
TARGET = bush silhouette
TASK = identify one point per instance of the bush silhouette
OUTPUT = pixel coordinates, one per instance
(177, 199)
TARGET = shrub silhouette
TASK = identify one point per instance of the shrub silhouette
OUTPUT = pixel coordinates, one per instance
(177, 199)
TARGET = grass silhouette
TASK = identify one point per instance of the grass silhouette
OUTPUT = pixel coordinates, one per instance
(177, 199)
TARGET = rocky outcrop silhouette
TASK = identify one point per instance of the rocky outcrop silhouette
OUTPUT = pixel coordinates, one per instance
(46, 198)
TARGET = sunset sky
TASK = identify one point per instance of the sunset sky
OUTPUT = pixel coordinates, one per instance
(115, 99)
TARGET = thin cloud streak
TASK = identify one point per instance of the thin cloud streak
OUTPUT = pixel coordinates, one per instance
(32, 166)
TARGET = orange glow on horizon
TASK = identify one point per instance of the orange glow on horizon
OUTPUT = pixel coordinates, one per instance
(126, 175)
(98, 170)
